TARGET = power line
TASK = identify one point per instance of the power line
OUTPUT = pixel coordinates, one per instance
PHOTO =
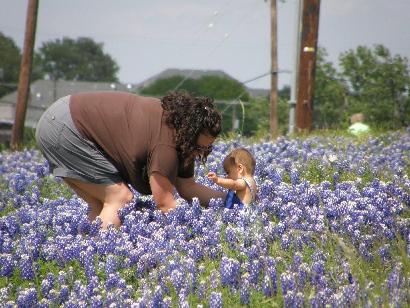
(226, 36)
(250, 80)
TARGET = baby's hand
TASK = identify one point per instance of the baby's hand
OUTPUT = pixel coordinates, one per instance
(213, 177)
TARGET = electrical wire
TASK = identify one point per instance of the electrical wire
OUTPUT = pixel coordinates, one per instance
(226, 36)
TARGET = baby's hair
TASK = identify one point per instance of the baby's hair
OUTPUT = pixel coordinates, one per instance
(240, 156)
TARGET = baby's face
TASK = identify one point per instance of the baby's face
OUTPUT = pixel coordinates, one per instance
(233, 173)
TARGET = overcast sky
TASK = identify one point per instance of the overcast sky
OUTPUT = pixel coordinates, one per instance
(148, 36)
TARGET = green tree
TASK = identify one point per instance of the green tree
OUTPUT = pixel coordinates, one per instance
(213, 86)
(10, 58)
(379, 85)
(162, 86)
(257, 116)
(329, 106)
(221, 88)
(81, 59)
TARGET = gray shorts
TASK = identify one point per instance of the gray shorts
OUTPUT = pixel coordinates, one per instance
(68, 153)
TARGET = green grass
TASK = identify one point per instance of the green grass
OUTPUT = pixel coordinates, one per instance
(28, 142)
(51, 189)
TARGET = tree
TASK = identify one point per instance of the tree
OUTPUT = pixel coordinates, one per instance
(329, 107)
(221, 88)
(379, 84)
(162, 86)
(214, 86)
(10, 57)
(81, 59)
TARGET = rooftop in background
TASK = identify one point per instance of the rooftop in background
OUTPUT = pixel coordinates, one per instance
(44, 92)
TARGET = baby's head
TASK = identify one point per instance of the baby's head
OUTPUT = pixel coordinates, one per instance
(239, 161)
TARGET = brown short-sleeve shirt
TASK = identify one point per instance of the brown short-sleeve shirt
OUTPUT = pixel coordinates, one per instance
(131, 132)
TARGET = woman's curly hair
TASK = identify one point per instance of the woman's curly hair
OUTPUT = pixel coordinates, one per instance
(190, 116)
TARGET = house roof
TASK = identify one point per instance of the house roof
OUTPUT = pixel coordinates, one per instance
(44, 92)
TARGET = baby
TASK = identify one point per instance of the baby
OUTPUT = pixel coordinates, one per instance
(239, 166)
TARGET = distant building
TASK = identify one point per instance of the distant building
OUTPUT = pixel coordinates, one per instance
(44, 92)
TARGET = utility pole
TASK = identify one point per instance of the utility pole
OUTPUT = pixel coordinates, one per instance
(24, 77)
(274, 71)
(296, 56)
(307, 65)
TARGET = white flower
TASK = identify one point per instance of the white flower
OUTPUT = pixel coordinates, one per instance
(332, 158)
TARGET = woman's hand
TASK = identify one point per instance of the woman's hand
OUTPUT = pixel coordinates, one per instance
(213, 177)
(188, 189)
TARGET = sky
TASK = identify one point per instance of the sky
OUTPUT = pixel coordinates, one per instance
(146, 37)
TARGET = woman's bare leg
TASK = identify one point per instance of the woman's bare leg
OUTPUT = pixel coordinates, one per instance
(105, 199)
(94, 205)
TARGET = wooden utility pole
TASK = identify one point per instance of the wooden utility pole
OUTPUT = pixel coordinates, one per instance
(24, 77)
(307, 65)
(274, 71)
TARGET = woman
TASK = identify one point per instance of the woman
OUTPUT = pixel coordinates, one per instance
(99, 142)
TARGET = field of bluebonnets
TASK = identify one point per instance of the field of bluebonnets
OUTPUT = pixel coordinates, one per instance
(331, 227)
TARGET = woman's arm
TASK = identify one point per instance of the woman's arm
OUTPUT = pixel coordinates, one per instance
(188, 189)
(162, 191)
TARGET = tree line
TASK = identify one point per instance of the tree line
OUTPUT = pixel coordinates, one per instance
(368, 80)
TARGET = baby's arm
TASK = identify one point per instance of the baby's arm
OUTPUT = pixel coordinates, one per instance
(236, 185)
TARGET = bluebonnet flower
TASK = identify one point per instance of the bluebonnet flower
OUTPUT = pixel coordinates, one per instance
(245, 289)
(214, 279)
(26, 267)
(96, 301)
(267, 289)
(4, 294)
(285, 242)
(215, 300)
(157, 297)
(255, 270)
(46, 286)
(80, 290)
(10, 225)
(384, 252)
(27, 298)
(112, 281)
(64, 293)
(230, 272)
(297, 260)
(395, 282)
(408, 245)
(293, 299)
(364, 251)
(95, 226)
(231, 236)
(177, 278)
(317, 272)
(110, 264)
(6, 265)
(288, 282)
(167, 302)
(202, 289)
(294, 176)
(270, 269)
(302, 275)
